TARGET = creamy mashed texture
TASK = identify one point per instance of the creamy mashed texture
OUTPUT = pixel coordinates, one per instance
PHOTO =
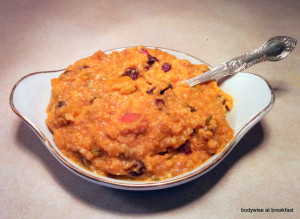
(127, 115)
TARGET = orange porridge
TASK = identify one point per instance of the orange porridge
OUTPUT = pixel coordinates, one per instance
(127, 115)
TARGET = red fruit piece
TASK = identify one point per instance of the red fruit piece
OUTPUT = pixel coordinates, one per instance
(132, 72)
(151, 60)
(150, 91)
(160, 104)
(185, 148)
(166, 67)
(137, 169)
(159, 101)
(130, 117)
(145, 52)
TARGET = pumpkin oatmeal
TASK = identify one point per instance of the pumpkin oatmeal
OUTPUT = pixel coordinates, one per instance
(128, 115)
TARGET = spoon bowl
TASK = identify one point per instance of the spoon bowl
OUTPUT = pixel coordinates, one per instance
(277, 48)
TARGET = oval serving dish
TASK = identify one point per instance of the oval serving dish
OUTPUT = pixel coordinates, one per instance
(253, 99)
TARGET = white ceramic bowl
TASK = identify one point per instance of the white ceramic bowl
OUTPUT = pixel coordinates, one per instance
(253, 99)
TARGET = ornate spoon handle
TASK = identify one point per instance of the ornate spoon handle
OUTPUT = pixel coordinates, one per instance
(275, 49)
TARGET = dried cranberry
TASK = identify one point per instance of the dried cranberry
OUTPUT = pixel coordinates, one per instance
(163, 91)
(185, 148)
(160, 104)
(145, 52)
(137, 169)
(192, 109)
(132, 72)
(61, 103)
(92, 99)
(68, 72)
(166, 67)
(159, 101)
(150, 91)
(151, 60)
(83, 67)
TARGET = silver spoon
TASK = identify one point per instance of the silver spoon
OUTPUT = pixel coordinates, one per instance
(275, 49)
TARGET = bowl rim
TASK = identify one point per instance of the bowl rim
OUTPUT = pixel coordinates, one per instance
(142, 185)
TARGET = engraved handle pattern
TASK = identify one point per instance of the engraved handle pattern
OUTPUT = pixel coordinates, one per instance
(275, 49)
